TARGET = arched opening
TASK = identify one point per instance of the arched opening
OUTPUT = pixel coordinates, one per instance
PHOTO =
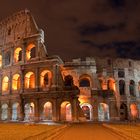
(45, 79)
(111, 84)
(103, 112)
(132, 88)
(4, 112)
(29, 80)
(84, 82)
(7, 58)
(123, 112)
(103, 84)
(16, 82)
(68, 81)
(47, 111)
(134, 111)
(0, 60)
(30, 51)
(122, 87)
(87, 110)
(17, 54)
(29, 112)
(15, 111)
(66, 111)
(5, 84)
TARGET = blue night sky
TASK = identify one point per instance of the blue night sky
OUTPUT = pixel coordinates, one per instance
(80, 28)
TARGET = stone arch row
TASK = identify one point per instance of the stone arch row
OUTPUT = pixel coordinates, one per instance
(29, 81)
(30, 53)
(129, 112)
(131, 87)
(47, 112)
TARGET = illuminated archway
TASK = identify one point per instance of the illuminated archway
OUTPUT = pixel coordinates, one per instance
(134, 111)
(18, 54)
(87, 110)
(47, 111)
(29, 80)
(0, 60)
(66, 111)
(5, 84)
(16, 82)
(4, 112)
(123, 112)
(45, 78)
(15, 111)
(29, 112)
(103, 112)
(111, 84)
(30, 51)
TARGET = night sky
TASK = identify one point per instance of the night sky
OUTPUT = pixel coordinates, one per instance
(80, 28)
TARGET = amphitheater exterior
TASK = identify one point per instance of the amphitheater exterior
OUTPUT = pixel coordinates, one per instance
(37, 87)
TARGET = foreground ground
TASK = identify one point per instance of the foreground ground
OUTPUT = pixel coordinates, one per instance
(83, 131)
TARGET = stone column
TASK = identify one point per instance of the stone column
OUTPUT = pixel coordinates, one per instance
(75, 106)
(36, 113)
(95, 109)
(37, 79)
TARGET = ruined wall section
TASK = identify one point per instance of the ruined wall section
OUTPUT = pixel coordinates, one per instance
(16, 27)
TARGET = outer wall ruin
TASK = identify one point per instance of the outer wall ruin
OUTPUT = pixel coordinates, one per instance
(38, 87)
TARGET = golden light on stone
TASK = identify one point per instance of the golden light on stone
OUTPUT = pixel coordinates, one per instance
(29, 80)
(0, 60)
(28, 51)
(16, 82)
(5, 84)
(16, 54)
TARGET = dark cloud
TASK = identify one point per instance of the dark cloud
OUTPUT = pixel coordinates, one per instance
(117, 3)
(99, 28)
(76, 28)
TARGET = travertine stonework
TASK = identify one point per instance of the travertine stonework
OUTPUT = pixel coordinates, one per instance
(39, 87)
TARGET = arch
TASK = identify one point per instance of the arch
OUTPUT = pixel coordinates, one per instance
(103, 112)
(132, 87)
(7, 57)
(29, 110)
(134, 111)
(84, 82)
(16, 82)
(5, 84)
(68, 81)
(0, 60)
(15, 111)
(123, 112)
(87, 110)
(29, 80)
(45, 78)
(111, 84)
(30, 51)
(66, 111)
(4, 112)
(47, 111)
(17, 54)
(122, 87)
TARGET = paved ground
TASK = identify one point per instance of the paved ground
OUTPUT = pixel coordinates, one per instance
(88, 132)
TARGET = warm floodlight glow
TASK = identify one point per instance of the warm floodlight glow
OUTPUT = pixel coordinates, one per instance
(45, 78)
(16, 82)
(29, 80)
(5, 84)
(0, 60)
(30, 52)
(18, 54)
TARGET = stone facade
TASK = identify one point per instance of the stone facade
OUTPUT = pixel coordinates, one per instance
(38, 87)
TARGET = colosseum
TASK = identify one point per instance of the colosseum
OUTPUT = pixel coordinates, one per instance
(38, 87)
